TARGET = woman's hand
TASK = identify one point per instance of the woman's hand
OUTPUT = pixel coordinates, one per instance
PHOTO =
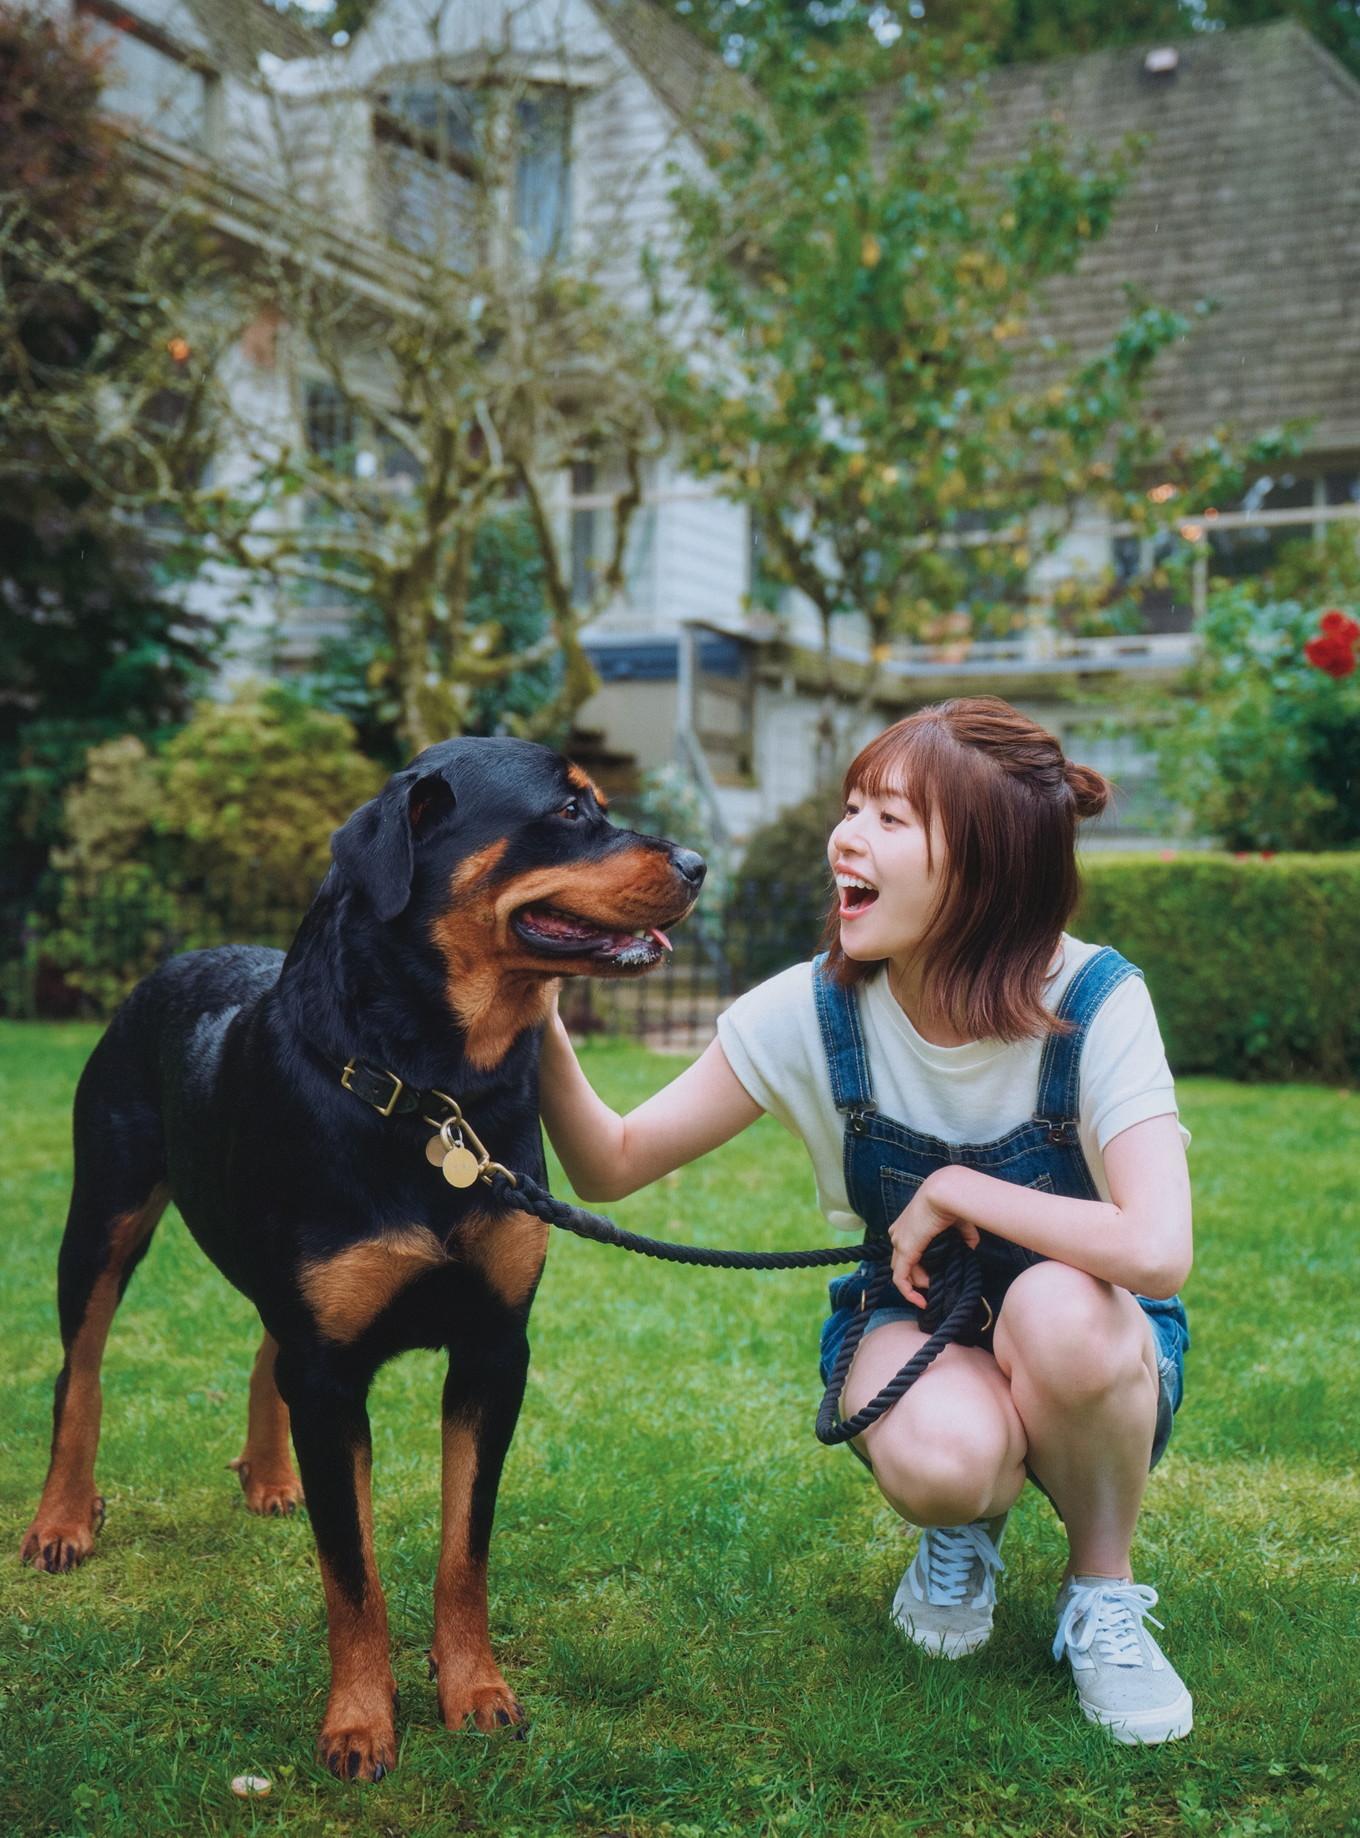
(912, 1230)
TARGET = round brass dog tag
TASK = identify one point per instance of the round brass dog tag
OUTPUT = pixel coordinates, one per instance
(435, 1151)
(460, 1167)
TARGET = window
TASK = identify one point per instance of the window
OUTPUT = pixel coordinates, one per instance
(1239, 554)
(427, 166)
(328, 423)
(592, 541)
(543, 172)
(150, 78)
(430, 144)
(584, 537)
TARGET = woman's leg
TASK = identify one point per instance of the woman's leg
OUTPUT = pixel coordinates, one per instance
(1082, 1370)
(953, 1449)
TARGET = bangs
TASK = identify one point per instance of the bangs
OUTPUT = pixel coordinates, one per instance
(988, 784)
(908, 762)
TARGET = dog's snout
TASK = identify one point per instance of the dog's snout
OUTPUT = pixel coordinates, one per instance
(691, 865)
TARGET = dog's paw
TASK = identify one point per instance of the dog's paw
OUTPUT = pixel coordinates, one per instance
(61, 1538)
(357, 1744)
(273, 1494)
(483, 1696)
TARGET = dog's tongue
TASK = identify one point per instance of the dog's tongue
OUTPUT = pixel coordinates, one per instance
(660, 937)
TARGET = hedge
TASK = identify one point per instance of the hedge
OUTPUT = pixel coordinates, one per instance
(1253, 963)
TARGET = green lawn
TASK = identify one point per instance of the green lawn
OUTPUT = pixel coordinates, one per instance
(687, 1592)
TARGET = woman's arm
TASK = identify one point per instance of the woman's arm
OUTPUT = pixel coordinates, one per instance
(1139, 1239)
(607, 1156)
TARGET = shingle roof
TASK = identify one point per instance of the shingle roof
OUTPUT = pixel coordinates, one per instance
(1248, 194)
(690, 78)
(238, 30)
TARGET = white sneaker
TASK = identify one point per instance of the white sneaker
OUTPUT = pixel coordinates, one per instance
(945, 1600)
(1122, 1676)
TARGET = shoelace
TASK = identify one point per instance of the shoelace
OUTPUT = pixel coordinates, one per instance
(1110, 1616)
(950, 1552)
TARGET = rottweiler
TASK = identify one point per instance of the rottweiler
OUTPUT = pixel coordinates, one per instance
(288, 1105)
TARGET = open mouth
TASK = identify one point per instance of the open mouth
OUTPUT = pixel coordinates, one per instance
(856, 896)
(560, 934)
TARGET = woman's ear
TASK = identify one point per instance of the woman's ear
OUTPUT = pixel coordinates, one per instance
(375, 849)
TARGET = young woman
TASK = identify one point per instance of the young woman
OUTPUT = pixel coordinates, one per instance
(955, 1058)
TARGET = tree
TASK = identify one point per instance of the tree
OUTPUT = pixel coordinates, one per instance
(458, 368)
(872, 394)
(92, 641)
(1010, 31)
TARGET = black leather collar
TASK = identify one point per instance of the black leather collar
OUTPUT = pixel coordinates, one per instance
(389, 1095)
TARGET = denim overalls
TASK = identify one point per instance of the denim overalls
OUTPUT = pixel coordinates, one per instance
(886, 1161)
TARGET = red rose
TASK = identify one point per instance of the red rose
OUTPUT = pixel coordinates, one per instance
(1335, 621)
(1333, 654)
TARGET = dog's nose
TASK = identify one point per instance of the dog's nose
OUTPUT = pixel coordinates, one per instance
(691, 865)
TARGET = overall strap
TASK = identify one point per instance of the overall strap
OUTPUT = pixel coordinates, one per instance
(843, 1041)
(1060, 1067)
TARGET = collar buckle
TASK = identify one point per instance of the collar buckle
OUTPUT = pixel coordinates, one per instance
(369, 1075)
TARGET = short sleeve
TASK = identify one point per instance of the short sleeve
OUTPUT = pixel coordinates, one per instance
(762, 1037)
(1125, 1078)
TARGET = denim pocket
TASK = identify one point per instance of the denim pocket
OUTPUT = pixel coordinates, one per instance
(1002, 1253)
(897, 1191)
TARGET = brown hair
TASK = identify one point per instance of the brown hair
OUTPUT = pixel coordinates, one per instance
(1008, 804)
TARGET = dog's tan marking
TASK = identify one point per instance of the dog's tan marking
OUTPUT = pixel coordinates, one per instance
(358, 1726)
(581, 779)
(507, 1249)
(265, 1464)
(470, 1681)
(71, 1511)
(498, 987)
(477, 868)
(349, 1291)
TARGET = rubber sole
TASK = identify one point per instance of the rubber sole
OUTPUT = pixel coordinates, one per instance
(1167, 1723)
(937, 1642)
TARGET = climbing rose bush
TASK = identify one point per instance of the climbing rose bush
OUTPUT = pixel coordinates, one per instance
(1333, 650)
(1264, 750)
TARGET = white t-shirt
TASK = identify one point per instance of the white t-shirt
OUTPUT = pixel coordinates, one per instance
(966, 1094)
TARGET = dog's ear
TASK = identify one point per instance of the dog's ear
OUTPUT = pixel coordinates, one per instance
(375, 849)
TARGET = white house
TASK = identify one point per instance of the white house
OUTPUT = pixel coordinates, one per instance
(1248, 194)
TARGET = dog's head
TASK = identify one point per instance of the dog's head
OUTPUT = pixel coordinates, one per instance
(499, 854)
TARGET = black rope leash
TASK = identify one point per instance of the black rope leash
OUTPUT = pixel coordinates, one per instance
(955, 1287)
(954, 1269)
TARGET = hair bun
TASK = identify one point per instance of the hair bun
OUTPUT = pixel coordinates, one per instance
(1090, 789)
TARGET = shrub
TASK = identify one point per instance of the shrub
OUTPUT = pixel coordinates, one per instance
(1251, 962)
(1264, 753)
(224, 835)
(252, 790)
(780, 894)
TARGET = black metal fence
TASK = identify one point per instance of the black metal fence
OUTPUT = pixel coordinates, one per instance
(82, 964)
(721, 950)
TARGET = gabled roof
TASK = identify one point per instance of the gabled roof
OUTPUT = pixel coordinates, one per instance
(1247, 194)
(239, 30)
(689, 77)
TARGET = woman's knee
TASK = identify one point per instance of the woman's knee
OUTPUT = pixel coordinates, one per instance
(1069, 1334)
(936, 1483)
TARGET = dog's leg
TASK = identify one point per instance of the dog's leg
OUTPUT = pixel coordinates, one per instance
(265, 1464)
(331, 1436)
(101, 1248)
(482, 1397)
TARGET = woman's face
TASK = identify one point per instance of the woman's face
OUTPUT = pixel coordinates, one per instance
(880, 841)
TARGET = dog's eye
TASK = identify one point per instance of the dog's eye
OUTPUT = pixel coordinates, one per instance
(571, 809)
